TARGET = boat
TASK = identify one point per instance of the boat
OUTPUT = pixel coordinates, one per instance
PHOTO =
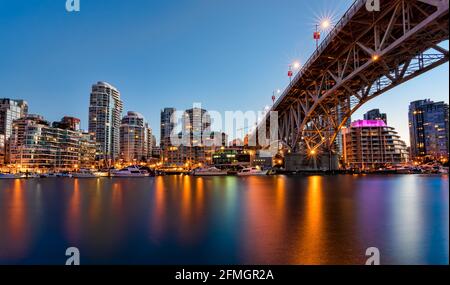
(64, 174)
(49, 175)
(8, 176)
(84, 173)
(403, 170)
(252, 171)
(209, 171)
(101, 173)
(30, 175)
(130, 171)
(443, 170)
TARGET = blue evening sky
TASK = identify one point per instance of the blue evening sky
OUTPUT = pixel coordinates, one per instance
(226, 54)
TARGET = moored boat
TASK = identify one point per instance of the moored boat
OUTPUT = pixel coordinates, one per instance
(84, 173)
(252, 171)
(209, 171)
(9, 176)
(131, 171)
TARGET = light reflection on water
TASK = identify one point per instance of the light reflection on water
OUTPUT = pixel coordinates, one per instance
(226, 220)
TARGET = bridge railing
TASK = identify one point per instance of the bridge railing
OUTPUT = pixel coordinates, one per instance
(336, 29)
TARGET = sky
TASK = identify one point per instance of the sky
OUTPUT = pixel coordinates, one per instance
(227, 55)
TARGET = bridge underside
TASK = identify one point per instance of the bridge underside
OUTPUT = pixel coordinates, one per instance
(367, 54)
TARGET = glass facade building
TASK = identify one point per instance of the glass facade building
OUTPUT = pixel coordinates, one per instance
(166, 127)
(105, 114)
(10, 110)
(375, 114)
(428, 127)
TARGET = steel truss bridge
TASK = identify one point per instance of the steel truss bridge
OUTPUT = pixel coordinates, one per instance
(366, 54)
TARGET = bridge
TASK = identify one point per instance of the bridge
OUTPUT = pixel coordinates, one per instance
(365, 55)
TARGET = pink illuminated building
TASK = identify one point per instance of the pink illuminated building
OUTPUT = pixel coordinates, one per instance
(371, 144)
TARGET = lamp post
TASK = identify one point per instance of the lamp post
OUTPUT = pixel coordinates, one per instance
(274, 95)
(293, 67)
(324, 25)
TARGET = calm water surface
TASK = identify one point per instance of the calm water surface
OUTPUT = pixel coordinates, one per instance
(226, 220)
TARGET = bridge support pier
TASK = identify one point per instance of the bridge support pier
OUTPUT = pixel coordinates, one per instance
(301, 162)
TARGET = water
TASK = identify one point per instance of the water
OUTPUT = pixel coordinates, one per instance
(226, 220)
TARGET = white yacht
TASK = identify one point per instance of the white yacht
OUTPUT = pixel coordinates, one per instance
(252, 171)
(131, 171)
(209, 171)
(84, 173)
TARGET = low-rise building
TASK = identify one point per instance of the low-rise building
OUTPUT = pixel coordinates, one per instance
(36, 145)
(371, 144)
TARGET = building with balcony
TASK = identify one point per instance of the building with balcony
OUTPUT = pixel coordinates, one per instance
(135, 138)
(37, 146)
(371, 144)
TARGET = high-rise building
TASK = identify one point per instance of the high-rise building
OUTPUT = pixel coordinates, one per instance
(135, 138)
(153, 140)
(372, 144)
(105, 113)
(194, 138)
(428, 126)
(10, 110)
(342, 109)
(197, 122)
(3, 151)
(167, 127)
(374, 115)
(149, 141)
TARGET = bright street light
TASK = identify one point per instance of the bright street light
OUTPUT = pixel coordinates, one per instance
(325, 24)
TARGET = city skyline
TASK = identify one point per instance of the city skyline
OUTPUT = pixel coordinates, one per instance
(224, 132)
(213, 68)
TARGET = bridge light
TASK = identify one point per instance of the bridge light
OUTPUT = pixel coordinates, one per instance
(325, 24)
(312, 152)
(375, 57)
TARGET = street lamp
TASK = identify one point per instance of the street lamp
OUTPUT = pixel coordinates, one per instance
(274, 95)
(324, 24)
(293, 67)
